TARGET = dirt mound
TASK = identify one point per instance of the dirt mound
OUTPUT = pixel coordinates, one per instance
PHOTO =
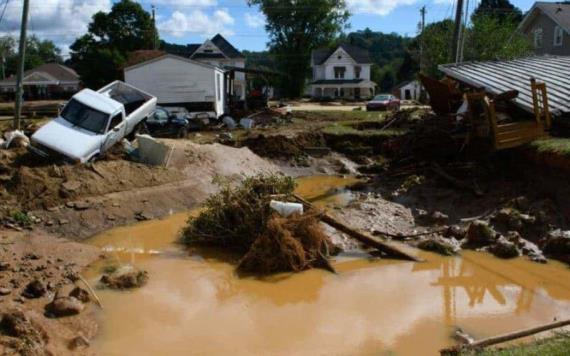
(288, 244)
(282, 146)
(20, 335)
(45, 186)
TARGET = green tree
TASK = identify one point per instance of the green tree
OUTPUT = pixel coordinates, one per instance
(490, 38)
(37, 52)
(436, 42)
(295, 28)
(99, 55)
(502, 10)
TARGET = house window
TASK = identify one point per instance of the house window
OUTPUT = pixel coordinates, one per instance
(339, 72)
(558, 36)
(357, 71)
(538, 38)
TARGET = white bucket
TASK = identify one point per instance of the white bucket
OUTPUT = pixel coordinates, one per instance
(285, 209)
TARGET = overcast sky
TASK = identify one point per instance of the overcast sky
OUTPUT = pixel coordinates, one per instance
(192, 21)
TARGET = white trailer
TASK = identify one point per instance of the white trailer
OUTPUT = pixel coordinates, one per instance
(179, 81)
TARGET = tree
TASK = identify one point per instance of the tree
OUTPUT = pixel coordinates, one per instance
(436, 41)
(490, 38)
(295, 28)
(502, 10)
(37, 52)
(99, 55)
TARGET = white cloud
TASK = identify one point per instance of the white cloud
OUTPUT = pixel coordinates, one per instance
(377, 7)
(254, 20)
(61, 21)
(186, 3)
(197, 22)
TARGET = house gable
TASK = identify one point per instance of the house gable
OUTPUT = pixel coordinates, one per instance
(208, 50)
(339, 56)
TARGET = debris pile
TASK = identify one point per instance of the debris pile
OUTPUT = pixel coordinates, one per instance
(241, 220)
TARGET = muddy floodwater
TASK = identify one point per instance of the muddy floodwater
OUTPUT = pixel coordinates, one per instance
(195, 304)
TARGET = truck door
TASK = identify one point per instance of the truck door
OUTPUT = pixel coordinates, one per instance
(116, 131)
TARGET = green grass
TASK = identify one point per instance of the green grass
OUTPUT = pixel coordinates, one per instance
(558, 345)
(559, 146)
(340, 115)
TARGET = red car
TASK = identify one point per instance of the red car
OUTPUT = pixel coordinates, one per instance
(383, 102)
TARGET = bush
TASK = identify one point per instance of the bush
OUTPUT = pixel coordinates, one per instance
(234, 217)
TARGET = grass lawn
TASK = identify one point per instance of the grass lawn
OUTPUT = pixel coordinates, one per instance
(558, 345)
(559, 146)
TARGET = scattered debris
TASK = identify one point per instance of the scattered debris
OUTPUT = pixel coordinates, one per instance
(439, 245)
(504, 248)
(20, 334)
(125, 277)
(63, 306)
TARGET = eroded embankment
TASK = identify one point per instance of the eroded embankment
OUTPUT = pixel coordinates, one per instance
(78, 201)
(370, 306)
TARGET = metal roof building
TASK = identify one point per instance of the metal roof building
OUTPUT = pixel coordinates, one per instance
(499, 76)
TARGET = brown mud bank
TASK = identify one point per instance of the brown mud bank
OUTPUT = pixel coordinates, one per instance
(34, 267)
(79, 201)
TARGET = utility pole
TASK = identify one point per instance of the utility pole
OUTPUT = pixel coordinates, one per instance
(456, 30)
(154, 28)
(463, 32)
(21, 60)
(422, 27)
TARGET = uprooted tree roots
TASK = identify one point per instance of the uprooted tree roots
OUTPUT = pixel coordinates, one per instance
(240, 219)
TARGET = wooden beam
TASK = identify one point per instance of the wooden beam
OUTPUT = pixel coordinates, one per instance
(364, 238)
(504, 338)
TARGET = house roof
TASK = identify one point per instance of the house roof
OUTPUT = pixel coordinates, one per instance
(219, 41)
(168, 55)
(360, 55)
(54, 72)
(226, 47)
(499, 76)
(559, 12)
(207, 55)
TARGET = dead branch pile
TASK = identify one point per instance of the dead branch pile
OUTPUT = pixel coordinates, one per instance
(288, 244)
(239, 219)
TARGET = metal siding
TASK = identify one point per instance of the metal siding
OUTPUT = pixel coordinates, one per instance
(174, 81)
(500, 76)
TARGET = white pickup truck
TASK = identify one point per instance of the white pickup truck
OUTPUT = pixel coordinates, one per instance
(93, 121)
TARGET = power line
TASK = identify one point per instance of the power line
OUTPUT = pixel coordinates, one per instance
(4, 10)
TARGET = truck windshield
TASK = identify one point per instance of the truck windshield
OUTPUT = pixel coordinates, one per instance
(85, 117)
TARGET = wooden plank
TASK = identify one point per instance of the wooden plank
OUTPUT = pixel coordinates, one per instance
(364, 238)
(504, 338)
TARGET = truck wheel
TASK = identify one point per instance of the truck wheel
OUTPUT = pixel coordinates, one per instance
(183, 133)
(140, 129)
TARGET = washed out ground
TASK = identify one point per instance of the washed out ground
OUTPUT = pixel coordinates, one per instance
(394, 190)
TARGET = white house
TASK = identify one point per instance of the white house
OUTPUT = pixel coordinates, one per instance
(179, 81)
(220, 53)
(408, 90)
(342, 72)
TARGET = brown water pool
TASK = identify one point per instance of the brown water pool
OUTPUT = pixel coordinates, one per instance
(195, 304)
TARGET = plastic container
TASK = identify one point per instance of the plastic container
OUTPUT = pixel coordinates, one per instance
(285, 209)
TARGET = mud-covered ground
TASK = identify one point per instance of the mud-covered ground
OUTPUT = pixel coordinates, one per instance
(46, 205)
(516, 202)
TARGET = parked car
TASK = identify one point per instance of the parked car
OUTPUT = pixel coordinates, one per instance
(93, 121)
(170, 122)
(383, 102)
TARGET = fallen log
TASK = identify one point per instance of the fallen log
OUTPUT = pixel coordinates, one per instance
(504, 338)
(364, 238)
